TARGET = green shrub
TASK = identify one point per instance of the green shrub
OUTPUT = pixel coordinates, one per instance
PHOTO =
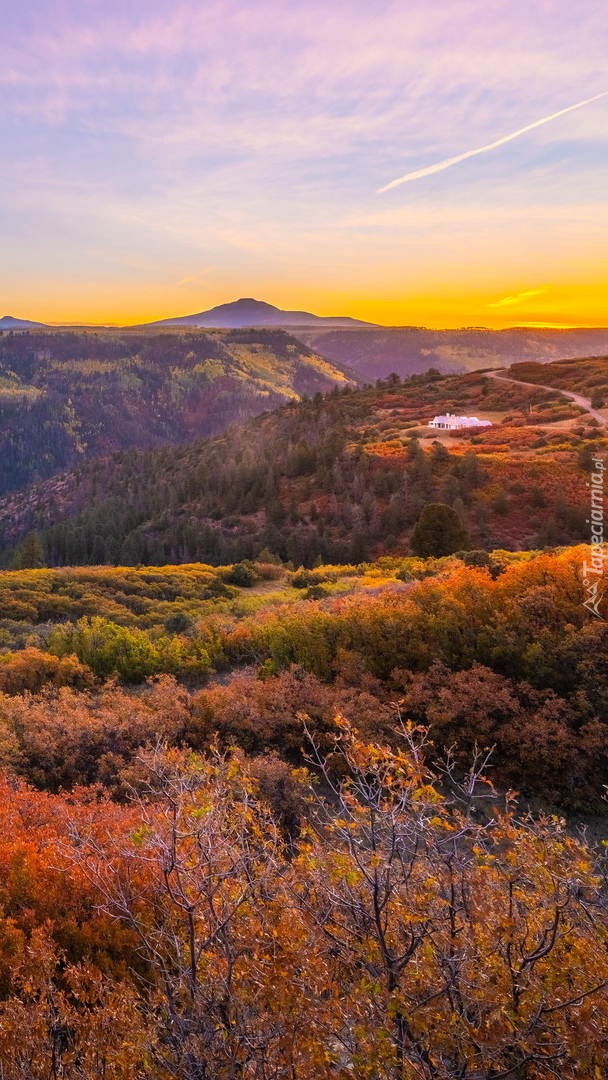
(244, 574)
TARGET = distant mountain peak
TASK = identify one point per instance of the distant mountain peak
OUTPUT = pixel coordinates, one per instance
(8, 322)
(248, 302)
(250, 312)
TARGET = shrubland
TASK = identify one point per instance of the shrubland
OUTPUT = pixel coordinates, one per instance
(389, 934)
(483, 650)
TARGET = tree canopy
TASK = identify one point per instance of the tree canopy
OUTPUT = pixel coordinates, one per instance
(439, 531)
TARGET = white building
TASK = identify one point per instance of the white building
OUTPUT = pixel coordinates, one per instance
(449, 422)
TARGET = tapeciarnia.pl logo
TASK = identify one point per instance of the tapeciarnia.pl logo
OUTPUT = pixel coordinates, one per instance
(593, 572)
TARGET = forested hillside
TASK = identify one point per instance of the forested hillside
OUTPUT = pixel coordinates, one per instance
(66, 397)
(406, 350)
(341, 478)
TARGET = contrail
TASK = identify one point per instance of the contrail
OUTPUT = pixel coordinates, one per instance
(482, 149)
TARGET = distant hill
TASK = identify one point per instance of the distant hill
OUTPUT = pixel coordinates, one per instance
(378, 351)
(7, 322)
(69, 396)
(249, 312)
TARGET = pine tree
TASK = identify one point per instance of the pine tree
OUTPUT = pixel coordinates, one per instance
(439, 531)
(30, 553)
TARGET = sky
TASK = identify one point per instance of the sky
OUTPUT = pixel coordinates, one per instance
(159, 158)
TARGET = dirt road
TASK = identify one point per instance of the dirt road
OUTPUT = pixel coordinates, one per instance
(584, 402)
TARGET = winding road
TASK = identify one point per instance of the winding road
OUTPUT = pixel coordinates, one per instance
(584, 402)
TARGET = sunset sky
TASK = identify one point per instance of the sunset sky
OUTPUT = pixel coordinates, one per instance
(159, 158)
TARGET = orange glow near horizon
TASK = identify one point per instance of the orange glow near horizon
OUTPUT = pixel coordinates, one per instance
(162, 159)
(557, 307)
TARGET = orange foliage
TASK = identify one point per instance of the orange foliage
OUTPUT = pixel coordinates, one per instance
(401, 938)
(32, 669)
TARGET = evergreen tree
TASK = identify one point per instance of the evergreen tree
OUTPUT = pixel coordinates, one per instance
(439, 531)
(30, 553)
(501, 503)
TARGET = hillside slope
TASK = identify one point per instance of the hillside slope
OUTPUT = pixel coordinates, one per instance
(375, 353)
(342, 478)
(68, 396)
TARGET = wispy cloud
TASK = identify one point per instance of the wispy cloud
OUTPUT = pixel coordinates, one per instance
(142, 144)
(195, 279)
(448, 162)
(550, 325)
(519, 298)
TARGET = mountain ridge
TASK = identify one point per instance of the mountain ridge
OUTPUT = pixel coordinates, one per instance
(249, 312)
(9, 322)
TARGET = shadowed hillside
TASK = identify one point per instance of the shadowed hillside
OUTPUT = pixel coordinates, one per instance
(67, 396)
(375, 353)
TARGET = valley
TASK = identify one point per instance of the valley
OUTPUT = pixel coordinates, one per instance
(341, 478)
(379, 351)
(69, 396)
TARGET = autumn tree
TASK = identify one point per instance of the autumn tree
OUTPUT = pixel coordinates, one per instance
(66, 1020)
(199, 882)
(454, 949)
(401, 939)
